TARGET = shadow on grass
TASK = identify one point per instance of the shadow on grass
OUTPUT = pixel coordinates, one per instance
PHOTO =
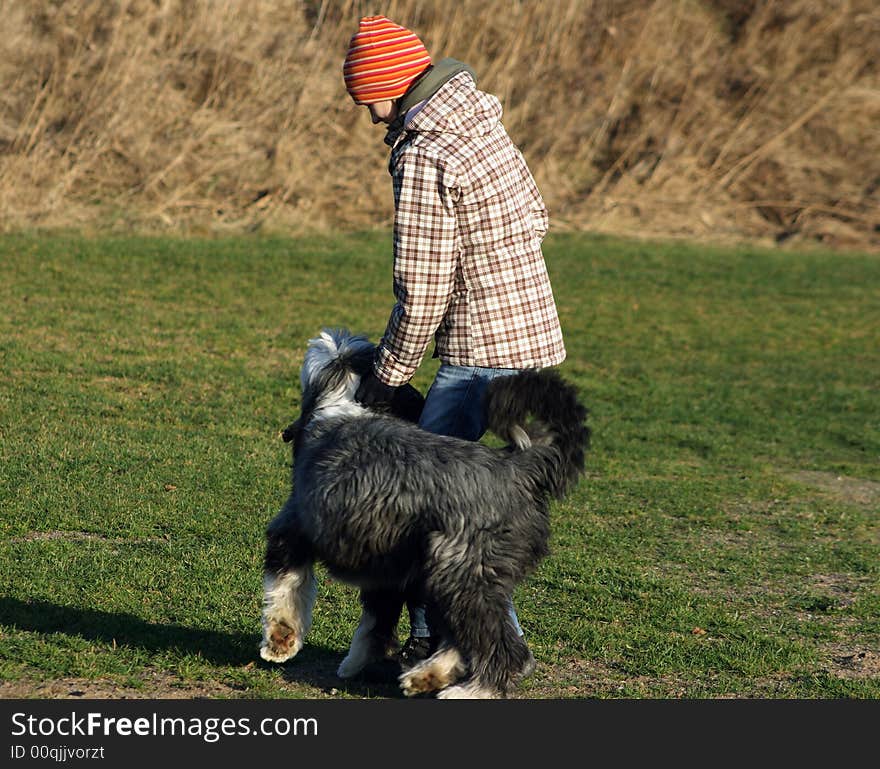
(314, 666)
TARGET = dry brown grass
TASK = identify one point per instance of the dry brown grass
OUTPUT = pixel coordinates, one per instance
(707, 118)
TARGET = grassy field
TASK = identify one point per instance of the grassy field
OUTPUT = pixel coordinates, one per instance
(725, 542)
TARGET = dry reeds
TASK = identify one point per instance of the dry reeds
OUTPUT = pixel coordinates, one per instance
(746, 118)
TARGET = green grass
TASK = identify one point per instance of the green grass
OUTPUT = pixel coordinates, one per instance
(724, 543)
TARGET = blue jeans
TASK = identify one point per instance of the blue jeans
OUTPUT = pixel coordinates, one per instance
(455, 407)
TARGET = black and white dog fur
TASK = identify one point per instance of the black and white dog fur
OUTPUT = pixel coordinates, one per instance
(400, 512)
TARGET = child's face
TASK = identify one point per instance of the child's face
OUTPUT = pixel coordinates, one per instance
(383, 111)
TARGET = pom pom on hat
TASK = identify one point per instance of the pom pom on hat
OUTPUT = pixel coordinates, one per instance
(382, 61)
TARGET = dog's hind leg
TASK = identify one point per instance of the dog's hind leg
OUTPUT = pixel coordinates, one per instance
(496, 654)
(289, 591)
(376, 635)
(471, 585)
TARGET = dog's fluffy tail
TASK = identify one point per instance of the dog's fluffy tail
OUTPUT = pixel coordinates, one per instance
(540, 414)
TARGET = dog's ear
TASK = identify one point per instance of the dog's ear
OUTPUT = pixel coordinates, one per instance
(292, 431)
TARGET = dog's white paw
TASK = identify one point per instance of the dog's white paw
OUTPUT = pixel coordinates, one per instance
(280, 643)
(415, 682)
(273, 655)
(352, 665)
(469, 691)
(440, 670)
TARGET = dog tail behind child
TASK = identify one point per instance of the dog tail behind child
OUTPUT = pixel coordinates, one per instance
(539, 414)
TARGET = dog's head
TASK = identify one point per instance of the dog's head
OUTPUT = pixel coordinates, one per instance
(332, 369)
(333, 366)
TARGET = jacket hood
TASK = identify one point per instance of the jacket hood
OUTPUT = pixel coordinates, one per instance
(452, 104)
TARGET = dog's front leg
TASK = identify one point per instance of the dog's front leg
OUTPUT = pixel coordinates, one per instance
(288, 599)
(376, 635)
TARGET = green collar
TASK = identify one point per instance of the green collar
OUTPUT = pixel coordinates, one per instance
(424, 88)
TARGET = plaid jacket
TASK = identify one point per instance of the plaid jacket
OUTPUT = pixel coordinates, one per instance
(469, 219)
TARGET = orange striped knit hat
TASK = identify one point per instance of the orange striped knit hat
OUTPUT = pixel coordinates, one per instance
(382, 60)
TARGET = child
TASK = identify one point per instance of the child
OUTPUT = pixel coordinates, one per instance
(468, 225)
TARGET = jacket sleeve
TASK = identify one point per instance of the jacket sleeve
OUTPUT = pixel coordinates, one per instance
(540, 217)
(425, 259)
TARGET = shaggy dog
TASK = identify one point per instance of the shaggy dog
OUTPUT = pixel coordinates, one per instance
(403, 513)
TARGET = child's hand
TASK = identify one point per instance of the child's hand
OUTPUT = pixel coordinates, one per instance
(374, 392)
